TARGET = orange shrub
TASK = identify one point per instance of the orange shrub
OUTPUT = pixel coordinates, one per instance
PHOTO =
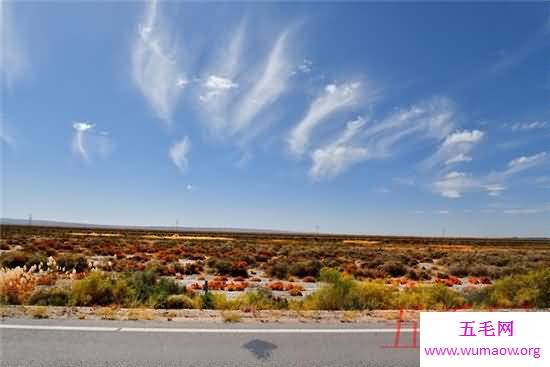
(16, 285)
(294, 286)
(46, 279)
(216, 285)
(276, 286)
(235, 287)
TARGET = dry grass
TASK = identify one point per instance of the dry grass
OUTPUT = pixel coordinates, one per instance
(231, 317)
(140, 314)
(350, 316)
(39, 312)
(107, 313)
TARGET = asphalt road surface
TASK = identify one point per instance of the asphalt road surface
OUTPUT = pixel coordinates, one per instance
(76, 343)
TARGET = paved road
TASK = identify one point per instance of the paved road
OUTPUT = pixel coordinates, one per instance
(59, 343)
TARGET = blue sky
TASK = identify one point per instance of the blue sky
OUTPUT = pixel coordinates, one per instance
(361, 117)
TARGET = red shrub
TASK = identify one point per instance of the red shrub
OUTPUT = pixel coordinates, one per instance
(309, 279)
(216, 285)
(276, 286)
(485, 280)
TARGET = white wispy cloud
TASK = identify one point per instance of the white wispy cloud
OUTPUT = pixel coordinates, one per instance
(155, 66)
(216, 86)
(456, 148)
(432, 119)
(454, 184)
(305, 66)
(333, 158)
(270, 85)
(79, 138)
(530, 125)
(334, 98)
(238, 94)
(15, 61)
(495, 189)
(426, 120)
(179, 152)
(525, 162)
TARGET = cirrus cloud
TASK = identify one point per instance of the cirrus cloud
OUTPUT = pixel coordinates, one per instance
(179, 152)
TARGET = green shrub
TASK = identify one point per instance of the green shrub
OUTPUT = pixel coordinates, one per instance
(149, 289)
(100, 289)
(306, 268)
(394, 269)
(526, 290)
(208, 301)
(436, 297)
(179, 301)
(49, 297)
(225, 267)
(278, 270)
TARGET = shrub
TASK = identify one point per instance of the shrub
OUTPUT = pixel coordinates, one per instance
(261, 299)
(100, 289)
(225, 267)
(72, 262)
(14, 259)
(16, 285)
(278, 270)
(344, 293)
(50, 297)
(437, 297)
(179, 301)
(395, 269)
(148, 288)
(207, 301)
(459, 270)
(526, 290)
(306, 268)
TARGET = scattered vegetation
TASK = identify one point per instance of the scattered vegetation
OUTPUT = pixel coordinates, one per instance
(70, 267)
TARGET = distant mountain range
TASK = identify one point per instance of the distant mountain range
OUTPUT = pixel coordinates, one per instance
(53, 223)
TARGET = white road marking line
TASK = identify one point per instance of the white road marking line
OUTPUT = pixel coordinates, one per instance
(201, 331)
(262, 331)
(57, 327)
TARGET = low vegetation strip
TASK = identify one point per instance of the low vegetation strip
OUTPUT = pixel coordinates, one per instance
(254, 272)
(339, 292)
